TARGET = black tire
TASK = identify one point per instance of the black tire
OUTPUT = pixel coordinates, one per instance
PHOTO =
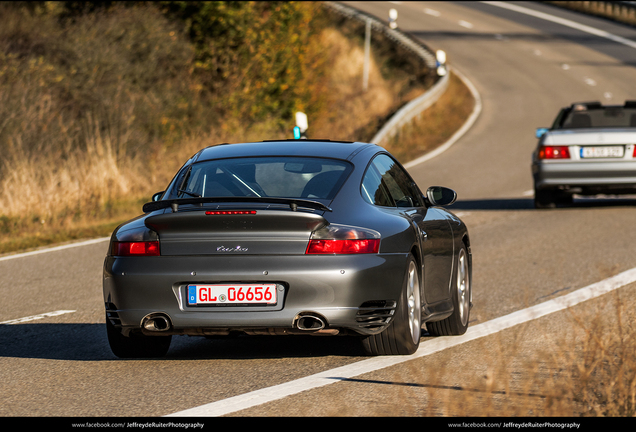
(136, 346)
(402, 336)
(457, 323)
(544, 198)
(549, 198)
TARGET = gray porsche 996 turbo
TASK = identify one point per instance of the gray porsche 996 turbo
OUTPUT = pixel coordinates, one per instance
(290, 237)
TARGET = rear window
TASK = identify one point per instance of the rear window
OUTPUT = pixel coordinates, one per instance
(285, 177)
(602, 117)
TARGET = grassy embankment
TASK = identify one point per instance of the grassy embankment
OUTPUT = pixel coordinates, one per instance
(100, 107)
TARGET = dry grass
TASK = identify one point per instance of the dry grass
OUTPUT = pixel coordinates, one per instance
(435, 125)
(350, 113)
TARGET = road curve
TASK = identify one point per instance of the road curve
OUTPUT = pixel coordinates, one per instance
(525, 69)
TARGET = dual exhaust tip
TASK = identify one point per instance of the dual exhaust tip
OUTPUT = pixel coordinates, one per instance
(306, 321)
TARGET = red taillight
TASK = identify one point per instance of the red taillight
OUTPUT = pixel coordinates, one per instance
(343, 239)
(343, 246)
(143, 248)
(231, 212)
(554, 152)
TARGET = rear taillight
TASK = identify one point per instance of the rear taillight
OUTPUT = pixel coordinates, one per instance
(141, 248)
(343, 246)
(343, 239)
(554, 152)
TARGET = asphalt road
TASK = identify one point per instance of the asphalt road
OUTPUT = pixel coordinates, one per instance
(525, 69)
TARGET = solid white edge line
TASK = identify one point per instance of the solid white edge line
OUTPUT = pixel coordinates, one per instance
(460, 133)
(36, 317)
(269, 394)
(55, 248)
(563, 21)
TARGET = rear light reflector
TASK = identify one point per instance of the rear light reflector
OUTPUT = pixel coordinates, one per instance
(231, 212)
(366, 246)
(554, 152)
(142, 248)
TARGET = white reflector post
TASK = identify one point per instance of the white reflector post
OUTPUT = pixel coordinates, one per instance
(301, 121)
(393, 14)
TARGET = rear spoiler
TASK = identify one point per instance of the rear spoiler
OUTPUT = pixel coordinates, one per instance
(175, 203)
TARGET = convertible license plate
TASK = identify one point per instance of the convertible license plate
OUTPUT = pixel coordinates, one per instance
(232, 294)
(602, 152)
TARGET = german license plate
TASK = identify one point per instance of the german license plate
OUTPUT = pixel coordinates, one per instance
(232, 294)
(602, 152)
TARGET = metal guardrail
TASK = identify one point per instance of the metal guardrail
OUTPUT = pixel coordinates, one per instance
(621, 11)
(411, 110)
(408, 112)
(395, 35)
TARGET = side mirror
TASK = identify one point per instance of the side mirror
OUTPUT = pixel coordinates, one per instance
(156, 196)
(540, 132)
(440, 195)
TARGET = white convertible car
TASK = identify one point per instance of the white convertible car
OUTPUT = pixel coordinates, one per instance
(590, 149)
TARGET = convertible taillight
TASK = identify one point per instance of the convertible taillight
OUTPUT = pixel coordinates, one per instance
(343, 239)
(142, 248)
(554, 152)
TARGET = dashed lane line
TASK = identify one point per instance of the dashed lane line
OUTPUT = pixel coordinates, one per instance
(36, 317)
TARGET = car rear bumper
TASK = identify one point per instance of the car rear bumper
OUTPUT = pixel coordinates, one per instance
(619, 175)
(342, 289)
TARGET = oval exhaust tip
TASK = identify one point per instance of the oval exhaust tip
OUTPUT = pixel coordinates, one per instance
(157, 323)
(310, 323)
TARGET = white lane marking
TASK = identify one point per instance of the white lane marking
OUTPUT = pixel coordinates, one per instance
(457, 135)
(465, 24)
(432, 12)
(55, 248)
(563, 21)
(37, 317)
(269, 394)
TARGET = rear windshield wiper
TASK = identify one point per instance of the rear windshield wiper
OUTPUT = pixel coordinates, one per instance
(175, 203)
